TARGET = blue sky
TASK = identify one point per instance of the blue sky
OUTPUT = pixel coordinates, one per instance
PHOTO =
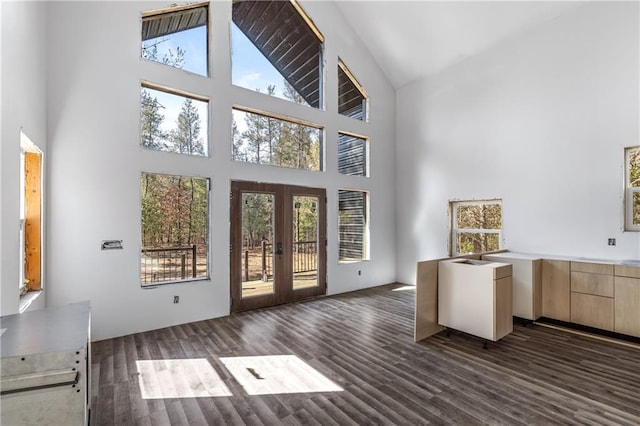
(249, 69)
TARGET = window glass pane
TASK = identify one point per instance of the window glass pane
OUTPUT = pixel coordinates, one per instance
(352, 155)
(633, 168)
(175, 214)
(173, 123)
(468, 242)
(177, 39)
(305, 242)
(275, 51)
(262, 139)
(352, 224)
(479, 216)
(352, 102)
(636, 208)
(257, 244)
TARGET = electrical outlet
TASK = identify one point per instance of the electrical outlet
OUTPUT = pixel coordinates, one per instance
(176, 299)
(612, 241)
(359, 272)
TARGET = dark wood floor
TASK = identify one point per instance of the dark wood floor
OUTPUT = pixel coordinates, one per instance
(362, 341)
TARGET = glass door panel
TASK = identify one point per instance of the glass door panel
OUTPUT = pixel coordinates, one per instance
(305, 242)
(257, 211)
(278, 244)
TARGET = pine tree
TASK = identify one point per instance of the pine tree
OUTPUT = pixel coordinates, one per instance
(151, 133)
(186, 137)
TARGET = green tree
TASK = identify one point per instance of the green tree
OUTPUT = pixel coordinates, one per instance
(186, 137)
(151, 118)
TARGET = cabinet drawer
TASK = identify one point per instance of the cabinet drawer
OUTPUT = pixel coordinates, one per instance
(593, 268)
(592, 311)
(596, 284)
(627, 271)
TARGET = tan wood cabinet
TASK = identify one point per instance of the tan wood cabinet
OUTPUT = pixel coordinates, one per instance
(627, 300)
(592, 292)
(556, 289)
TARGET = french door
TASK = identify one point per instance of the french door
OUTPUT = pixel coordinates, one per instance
(278, 244)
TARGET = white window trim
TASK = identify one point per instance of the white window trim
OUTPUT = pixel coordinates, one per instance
(453, 246)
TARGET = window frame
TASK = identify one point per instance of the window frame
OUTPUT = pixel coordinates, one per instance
(454, 231)
(365, 113)
(314, 32)
(207, 238)
(31, 224)
(366, 237)
(144, 84)
(179, 8)
(629, 192)
(282, 117)
(367, 154)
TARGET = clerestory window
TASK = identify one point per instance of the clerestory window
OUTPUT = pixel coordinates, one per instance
(352, 98)
(178, 37)
(277, 50)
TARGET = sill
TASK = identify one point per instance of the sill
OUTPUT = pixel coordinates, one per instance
(347, 262)
(163, 283)
(27, 299)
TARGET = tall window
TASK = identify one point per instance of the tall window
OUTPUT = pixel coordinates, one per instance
(352, 155)
(353, 225)
(30, 216)
(175, 218)
(476, 226)
(277, 50)
(352, 98)
(172, 122)
(264, 139)
(632, 188)
(177, 36)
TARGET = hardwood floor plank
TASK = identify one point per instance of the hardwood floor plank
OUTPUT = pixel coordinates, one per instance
(362, 342)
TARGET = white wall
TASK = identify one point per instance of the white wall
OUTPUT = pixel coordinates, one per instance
(539, 121)
(95, 163)
(23, 80)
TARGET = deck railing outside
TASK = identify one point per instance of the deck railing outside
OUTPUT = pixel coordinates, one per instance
(168, 264)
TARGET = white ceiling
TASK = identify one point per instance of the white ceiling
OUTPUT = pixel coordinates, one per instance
(412, 39)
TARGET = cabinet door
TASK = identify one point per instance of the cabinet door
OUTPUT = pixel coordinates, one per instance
(593, 311)
(627, 306)
(556, 290)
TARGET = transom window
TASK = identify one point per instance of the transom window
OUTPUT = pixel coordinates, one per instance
(352, 98)
(276, 49)
(264, 139)
(173, 122)
(476, 226)
(177, 36)
(632, 188)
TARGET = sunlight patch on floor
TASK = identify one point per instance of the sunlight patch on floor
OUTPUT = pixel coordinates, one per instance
(405, 288)
(277, 374)
(179, 378)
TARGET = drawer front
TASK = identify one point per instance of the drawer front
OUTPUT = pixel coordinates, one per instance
(627, 271)
(596, 284)
(593, 268)
(592, 311)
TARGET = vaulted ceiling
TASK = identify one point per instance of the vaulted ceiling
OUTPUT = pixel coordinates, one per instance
(413, 39)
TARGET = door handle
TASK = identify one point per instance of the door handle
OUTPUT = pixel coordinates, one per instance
(279, 250)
